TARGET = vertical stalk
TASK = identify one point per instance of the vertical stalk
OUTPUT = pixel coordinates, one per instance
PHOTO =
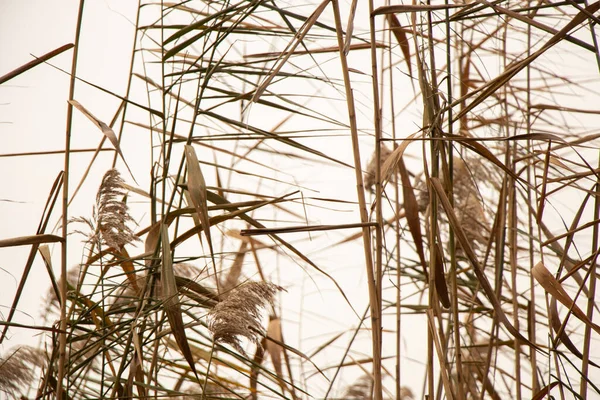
(531, 320)
(377, 388)
(587, 336)
(62, 337)
(366, 233)
(396, 226)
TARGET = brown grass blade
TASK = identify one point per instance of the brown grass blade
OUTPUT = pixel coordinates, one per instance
(401, 38)
(440, 277)
(171, 300)
(128, 268)
(197, 188)
(411, 208)
(562, 335)
(233, 276)
(512, 70)
(554, 288)
(390, 165)
(302, 32)
(46, 257)
(275, 351)
(257, 361)
(401, 8)
(544, 391)
(26, 67)
(105, 129)
(32, 239)
(302, 228)
(464, 242)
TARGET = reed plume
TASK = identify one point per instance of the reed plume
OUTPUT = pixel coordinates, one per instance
(17, 369)
(239, 315)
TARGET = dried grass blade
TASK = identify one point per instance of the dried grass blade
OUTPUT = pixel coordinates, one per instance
(401, 38)
(105, 129)
(292, 46)
(32, 239)
(440, 277)
(564, 338)
(512, 70)
(440, 353)
(401, 8)
(350, 27)
(235, 271)
(411, 208)
(326, 344)
(275, 351)
(544, 391)
(553, 287)
(128, 268)
(390, 165)
(257, 361)
(25, 67)
(464, 242)
(197, 188)
(45, 253)
(171, 300)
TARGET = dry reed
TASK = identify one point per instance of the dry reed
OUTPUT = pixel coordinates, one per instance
(239, 315)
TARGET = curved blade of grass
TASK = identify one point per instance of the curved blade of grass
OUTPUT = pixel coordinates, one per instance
(564, 338)
(105, 129)
(196, 186)
(440, 277)
(171, 300)
(554, 288)
(411, 208)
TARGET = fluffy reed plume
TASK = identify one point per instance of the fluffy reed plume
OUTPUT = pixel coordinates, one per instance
(369, 178)
(110, 215)
(239, 315)
(113, 213)
(17, 369)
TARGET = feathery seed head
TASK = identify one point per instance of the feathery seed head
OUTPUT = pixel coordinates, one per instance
(239, 315)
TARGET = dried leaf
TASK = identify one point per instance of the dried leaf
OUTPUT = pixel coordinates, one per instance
(556, 290)
(197, 188)
(105, 129)
(33, 239)
(275, 350)
(129, 269)
(171, 300)
(412, 213)
(440, 277)
(544, 391)
(401, 38)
